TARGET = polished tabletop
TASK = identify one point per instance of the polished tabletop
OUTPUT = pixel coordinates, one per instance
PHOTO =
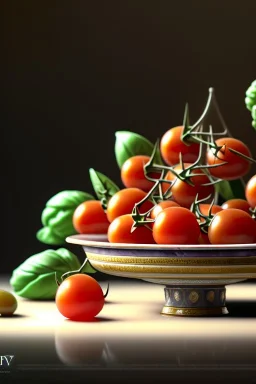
(131, 337)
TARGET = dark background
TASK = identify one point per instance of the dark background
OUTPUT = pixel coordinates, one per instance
(75, 72)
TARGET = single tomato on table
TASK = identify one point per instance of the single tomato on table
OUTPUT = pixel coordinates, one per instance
(79, 297)
(90, 218)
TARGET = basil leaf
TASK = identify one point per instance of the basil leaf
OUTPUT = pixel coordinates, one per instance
(130, 144)
(47, 236)
(35, 277)
(104, 187)
(57, 216)
(68, 199)
(232, 189)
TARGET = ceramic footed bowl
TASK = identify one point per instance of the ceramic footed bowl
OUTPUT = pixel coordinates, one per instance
(194, 276)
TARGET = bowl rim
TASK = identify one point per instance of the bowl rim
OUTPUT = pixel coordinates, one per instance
(84, 240)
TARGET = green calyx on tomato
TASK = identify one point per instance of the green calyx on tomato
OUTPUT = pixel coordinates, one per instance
(85, 267)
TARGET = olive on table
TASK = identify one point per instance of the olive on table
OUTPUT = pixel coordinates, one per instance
(8, 303)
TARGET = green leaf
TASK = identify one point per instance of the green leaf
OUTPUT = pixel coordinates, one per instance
(104, 187)
(47, 236)
(68, 199)
(35, 277)
(232, 189)
(130, 144)
(57, 216)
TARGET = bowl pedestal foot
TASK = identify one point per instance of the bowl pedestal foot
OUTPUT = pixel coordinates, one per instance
(194, 301)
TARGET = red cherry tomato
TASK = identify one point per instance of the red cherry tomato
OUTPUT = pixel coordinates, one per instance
(238, 204)
(203, 238)
(123, 201)
(79, 297)
(232, 226)
(176, 225)
(171, 146)
(184, 193)
(236, 166)
(120, 232)
(89, 217)
(250, 191)
(161, 206)
(133, 176)
(205, 209)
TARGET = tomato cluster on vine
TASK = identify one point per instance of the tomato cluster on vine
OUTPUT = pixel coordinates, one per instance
(171, 195)
(174, 202)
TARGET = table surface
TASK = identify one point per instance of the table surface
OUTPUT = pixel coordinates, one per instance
(131, 334)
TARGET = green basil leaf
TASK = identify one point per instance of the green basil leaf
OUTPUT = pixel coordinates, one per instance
(104, 187)
(48, 236)
(129, 144)
(57, 216)
(68, 199)
(232, 189)
(35, 277)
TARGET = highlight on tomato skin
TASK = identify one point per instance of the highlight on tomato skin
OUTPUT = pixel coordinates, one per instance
(236, 165)
(232, 226)
(133, 175)
(176, 225)
(250, 191)
(79, 297)
(184, 193)
(237, 204)
(171, 145)
(161, 206)
(120, 231)
(90, 218)
(123, 201)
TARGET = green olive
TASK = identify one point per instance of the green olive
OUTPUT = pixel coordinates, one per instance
(8, 303)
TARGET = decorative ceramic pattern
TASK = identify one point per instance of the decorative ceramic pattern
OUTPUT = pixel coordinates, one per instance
(195, 275)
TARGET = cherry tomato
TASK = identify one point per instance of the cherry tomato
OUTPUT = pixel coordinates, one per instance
(238, 204)
(171, 146)
(8, 303)
(250, 191)
(176, 225)
(120, 232)
(203, 238)
(123, 201)
(79, 297)
(161, 206)
(204, 209)
(89, 217)
(183, 193)
(133, 176)
(232, 226)
(236, 166)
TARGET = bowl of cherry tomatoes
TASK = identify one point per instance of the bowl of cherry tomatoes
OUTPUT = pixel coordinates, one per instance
(185, 218)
